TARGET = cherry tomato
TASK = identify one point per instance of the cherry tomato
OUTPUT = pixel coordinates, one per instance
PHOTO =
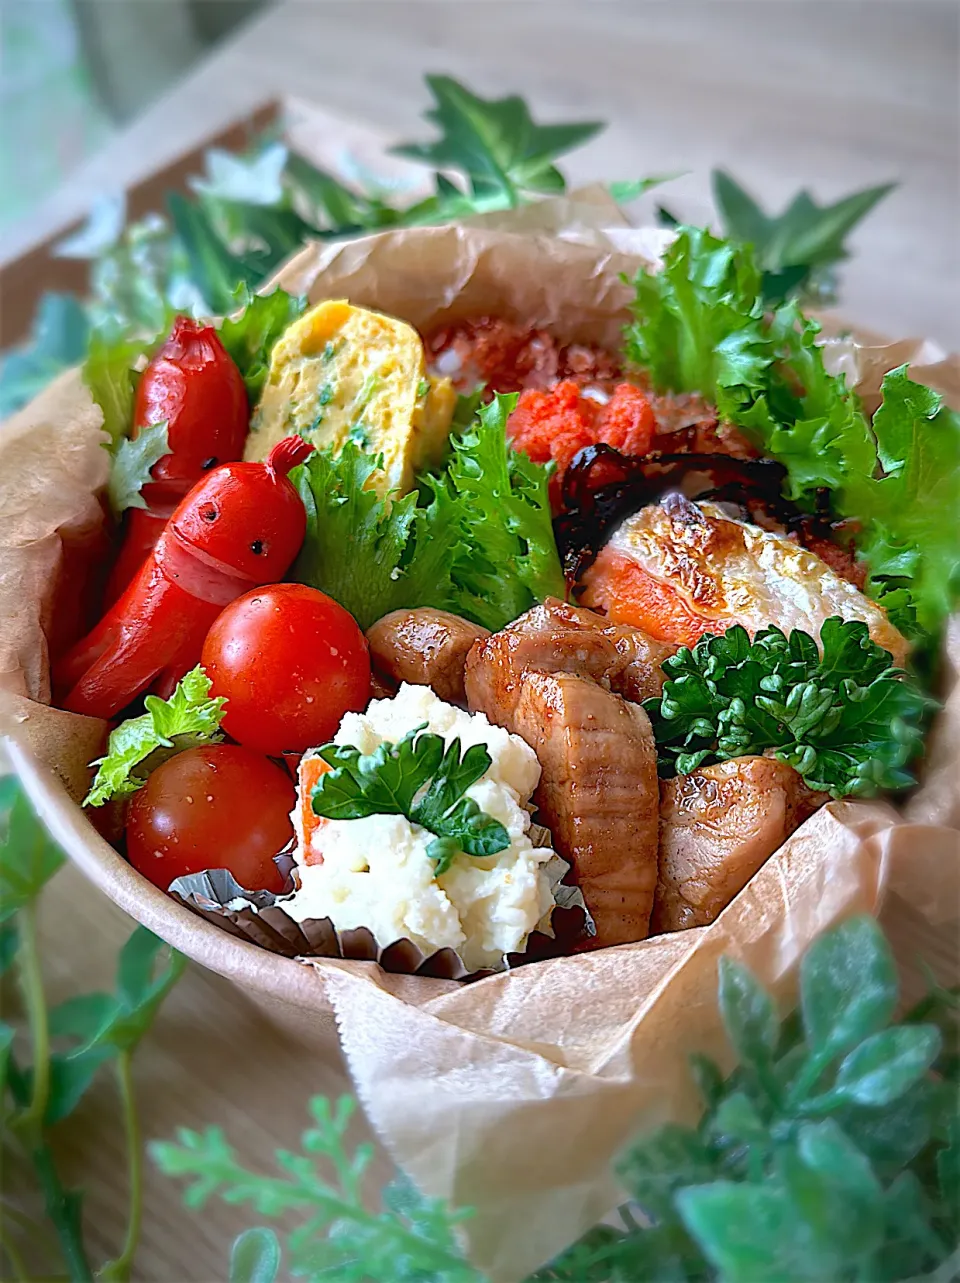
(218, 806)
(291, 662)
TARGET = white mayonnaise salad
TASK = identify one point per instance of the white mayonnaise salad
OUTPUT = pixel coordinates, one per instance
(375, 872)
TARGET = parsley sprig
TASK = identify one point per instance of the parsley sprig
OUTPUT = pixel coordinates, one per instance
(848, 721)
(418, 778)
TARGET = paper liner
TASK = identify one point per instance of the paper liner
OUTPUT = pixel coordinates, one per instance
(510, 1094)
(259, 916)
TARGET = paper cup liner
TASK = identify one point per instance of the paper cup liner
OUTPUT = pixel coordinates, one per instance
(259, 917)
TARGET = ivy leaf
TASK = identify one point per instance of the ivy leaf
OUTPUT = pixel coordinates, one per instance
(131, 464)
(625, 192)
(143, 981)
(795, 248)
(253, 179)
(70, 1076)
(58, 339)
(848, 987)
(28, 855)
(495, 142)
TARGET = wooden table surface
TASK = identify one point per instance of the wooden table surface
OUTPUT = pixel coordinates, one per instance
(834, 96)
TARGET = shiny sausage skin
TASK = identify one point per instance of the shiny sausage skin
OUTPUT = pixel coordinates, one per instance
(424, 647)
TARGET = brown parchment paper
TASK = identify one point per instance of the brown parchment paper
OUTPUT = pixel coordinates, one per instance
(511, 1094)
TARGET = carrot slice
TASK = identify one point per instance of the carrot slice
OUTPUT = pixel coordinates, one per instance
(311, 768)
(627, 594)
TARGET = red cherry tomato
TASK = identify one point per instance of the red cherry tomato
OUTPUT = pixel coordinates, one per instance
(291, 662)
(214, 807)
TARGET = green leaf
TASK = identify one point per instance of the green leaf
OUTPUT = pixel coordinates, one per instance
(736, 1121)
(656, 1166)
(847, 721)
(750, 1233)
(909, 532)
(255, 1257)
(70, 1076)
(411, 1240)
(249, 336)
(510, 559)
(706, 1074)
(699, 322)
(748, 1013)
(848, 987)
(886, 1065)
(948, 1171)
(386, 782)
(140, 744)
(445, 811)
(495, 142)
(9, 944)
(625, 192)
(476, 540)
(6, 1043)
(255, 179)
(793, 247)
(834, 1190)
(372, 555)
(109, 374)
(142, 986)
(28, 855)
(57, 340)
(82, 1017)
(216, 271)
(131, 464)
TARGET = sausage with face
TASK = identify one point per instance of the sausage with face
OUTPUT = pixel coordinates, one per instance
(239, 527)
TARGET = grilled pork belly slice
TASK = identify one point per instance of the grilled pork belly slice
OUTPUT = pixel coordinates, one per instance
(424, 647)
(679, 569)
(555, 638)
(717, 827)
(552, 677)
(598, 795)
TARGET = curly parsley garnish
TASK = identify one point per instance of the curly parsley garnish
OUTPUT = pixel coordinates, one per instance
(419, 779)
(846, 720)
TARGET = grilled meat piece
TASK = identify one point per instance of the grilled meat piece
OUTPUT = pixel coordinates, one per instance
(551, 677)
(597, 795)
(556, 637)
(425, 647)
(717, 827)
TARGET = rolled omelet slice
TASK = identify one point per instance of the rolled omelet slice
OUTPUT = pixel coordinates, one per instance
(343, 373)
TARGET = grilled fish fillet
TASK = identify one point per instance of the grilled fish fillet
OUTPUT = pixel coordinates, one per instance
(679, 569)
